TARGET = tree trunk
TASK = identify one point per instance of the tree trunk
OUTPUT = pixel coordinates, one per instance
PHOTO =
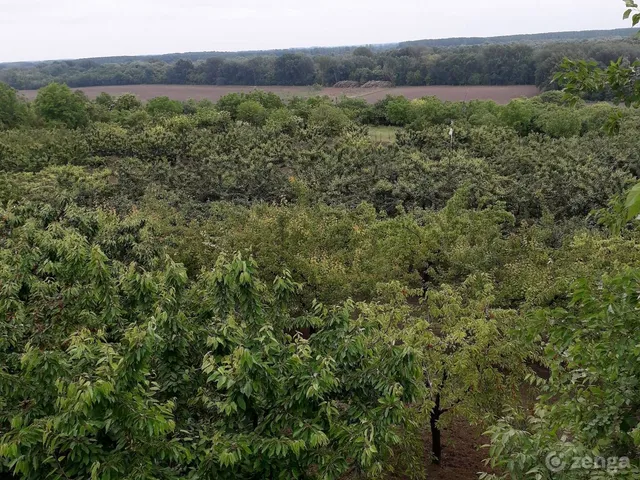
(436, 442)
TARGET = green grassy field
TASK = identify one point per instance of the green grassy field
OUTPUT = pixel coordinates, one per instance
(383, 134)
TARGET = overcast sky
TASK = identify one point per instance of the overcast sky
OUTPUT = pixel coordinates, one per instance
(54, 29)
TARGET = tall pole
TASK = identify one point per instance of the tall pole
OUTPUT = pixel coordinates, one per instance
(451, 134)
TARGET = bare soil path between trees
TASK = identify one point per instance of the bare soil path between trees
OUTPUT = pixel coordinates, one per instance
(499, 94)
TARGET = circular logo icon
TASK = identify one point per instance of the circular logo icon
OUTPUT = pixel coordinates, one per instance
(554, 463)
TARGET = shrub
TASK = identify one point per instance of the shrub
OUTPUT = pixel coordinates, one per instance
(328, 119)
(164, 106)
(57, 103)
(252, 112)
(211, 377)
(559, 122)
(13, 109)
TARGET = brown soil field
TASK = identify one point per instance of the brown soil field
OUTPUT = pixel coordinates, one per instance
(200, 92)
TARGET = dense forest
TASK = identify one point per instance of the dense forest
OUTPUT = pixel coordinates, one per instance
(197, 56)
(534, 38)
(261, 288)
(507, 64)
(616, 34)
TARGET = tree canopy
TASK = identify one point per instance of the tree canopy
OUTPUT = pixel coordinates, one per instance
(502, 63)
(267, 288)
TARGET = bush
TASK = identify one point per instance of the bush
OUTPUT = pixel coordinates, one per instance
(13, 109)
(57, 103)
(252, 112)
(268, 100)
(518, 114)
(164, 106)
(400, 112)
(283, 120)
(356, 109)
(559, 122)
(210, 377)
(597, 117)
(328, 120)
(229, 103)
(432, 111)
(126, 102)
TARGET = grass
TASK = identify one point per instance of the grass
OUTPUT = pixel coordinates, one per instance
(383, 134)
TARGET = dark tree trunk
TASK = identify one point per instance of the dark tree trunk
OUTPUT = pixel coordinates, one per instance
(436, 441)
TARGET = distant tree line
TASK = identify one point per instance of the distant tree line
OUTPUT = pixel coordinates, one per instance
(535, 38)
(509, 64)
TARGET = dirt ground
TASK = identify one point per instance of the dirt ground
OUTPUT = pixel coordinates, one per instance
(499, 94)
(461, 453)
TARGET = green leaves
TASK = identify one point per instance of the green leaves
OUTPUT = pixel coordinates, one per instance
(118, 361)
(589, 405)
(632, 203)
(631, 8)
(619, 77)
(13, 109)
(57, 103)
(149, 374)
(296, 400)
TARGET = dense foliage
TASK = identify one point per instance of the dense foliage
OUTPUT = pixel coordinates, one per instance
(411, 64)
(585, 422)
(530, 38)
(260, 288)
